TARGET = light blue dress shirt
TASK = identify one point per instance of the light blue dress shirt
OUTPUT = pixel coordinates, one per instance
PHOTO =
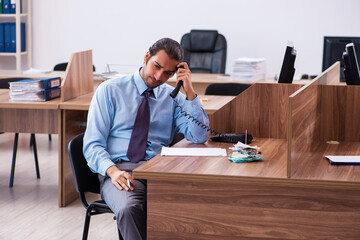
(112, 115)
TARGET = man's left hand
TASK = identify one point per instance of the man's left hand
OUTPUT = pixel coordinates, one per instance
(184, 74)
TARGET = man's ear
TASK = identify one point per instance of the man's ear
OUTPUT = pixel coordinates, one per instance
(147, 55)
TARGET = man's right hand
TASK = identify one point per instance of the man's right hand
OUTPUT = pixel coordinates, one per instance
(119, 178)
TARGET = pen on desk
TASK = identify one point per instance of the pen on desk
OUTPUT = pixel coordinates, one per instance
(245, 136)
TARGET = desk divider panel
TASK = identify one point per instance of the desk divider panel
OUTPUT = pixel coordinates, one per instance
(261, 109)
(78, 81)
(78, 78)
(320, 114)
(340, 113)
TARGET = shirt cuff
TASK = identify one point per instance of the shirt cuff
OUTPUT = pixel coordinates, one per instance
(104, 167)
(194, 104)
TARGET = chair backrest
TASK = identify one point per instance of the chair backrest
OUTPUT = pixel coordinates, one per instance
(85, 179)
(4, 82)
(204, 51)
(63, 66)
(228, 89)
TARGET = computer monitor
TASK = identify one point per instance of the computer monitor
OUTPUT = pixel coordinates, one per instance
(287, 70)
(333, 50)
(351, 65)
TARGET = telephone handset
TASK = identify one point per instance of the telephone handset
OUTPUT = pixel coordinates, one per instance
(219, 137)
(175, 92)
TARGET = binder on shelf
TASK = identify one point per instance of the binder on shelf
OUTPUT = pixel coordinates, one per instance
(2, 39)
(36, 84)
(38, 96)
(12, 6)
(10, 37)
(7, 37)
(22, 37)
(6, 6)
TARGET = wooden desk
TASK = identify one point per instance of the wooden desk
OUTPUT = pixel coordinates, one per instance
(16, 74)
(45, 117)
(214, 198)
(294, 193)
(73, 118)
(28, 117)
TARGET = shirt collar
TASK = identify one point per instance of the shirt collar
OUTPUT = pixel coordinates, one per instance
(142, 87)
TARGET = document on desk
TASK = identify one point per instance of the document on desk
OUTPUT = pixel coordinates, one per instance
(206, 152)
(344, 160)
(36, 71)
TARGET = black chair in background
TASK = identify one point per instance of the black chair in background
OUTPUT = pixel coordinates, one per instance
(226, 89)
(86, 181)
(204, 51)
(63, 66)
(4, 84)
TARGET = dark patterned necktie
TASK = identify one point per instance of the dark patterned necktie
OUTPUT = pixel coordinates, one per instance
(139, 135)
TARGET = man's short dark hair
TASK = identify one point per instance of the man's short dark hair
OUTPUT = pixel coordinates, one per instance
(170, 46)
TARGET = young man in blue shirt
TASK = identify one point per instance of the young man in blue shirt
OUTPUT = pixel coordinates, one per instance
(110, 124)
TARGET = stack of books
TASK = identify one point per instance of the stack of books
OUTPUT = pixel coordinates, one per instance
(248, 69)
(35, 89)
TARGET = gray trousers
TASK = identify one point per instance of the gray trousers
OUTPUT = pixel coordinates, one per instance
(129, 206)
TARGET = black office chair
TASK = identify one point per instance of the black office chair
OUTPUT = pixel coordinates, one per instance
(86, 181)
(4, 84)
(227, 89)
(63, 66)
(204, 51)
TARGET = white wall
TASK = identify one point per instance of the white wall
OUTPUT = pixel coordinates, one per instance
(121, 31)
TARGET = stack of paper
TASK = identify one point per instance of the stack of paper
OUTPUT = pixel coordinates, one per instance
(35, 89)
(248, 69)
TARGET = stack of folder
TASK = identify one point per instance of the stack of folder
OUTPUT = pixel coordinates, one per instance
(248, 69)
(35, 89)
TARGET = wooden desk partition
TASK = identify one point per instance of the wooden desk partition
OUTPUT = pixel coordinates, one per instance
(261, 110)
(78, 82)
(324, 120)
(78, 78)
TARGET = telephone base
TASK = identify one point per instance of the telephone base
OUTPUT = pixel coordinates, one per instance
(233, 138)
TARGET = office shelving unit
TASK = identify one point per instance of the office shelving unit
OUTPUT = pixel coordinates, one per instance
(18, 18)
